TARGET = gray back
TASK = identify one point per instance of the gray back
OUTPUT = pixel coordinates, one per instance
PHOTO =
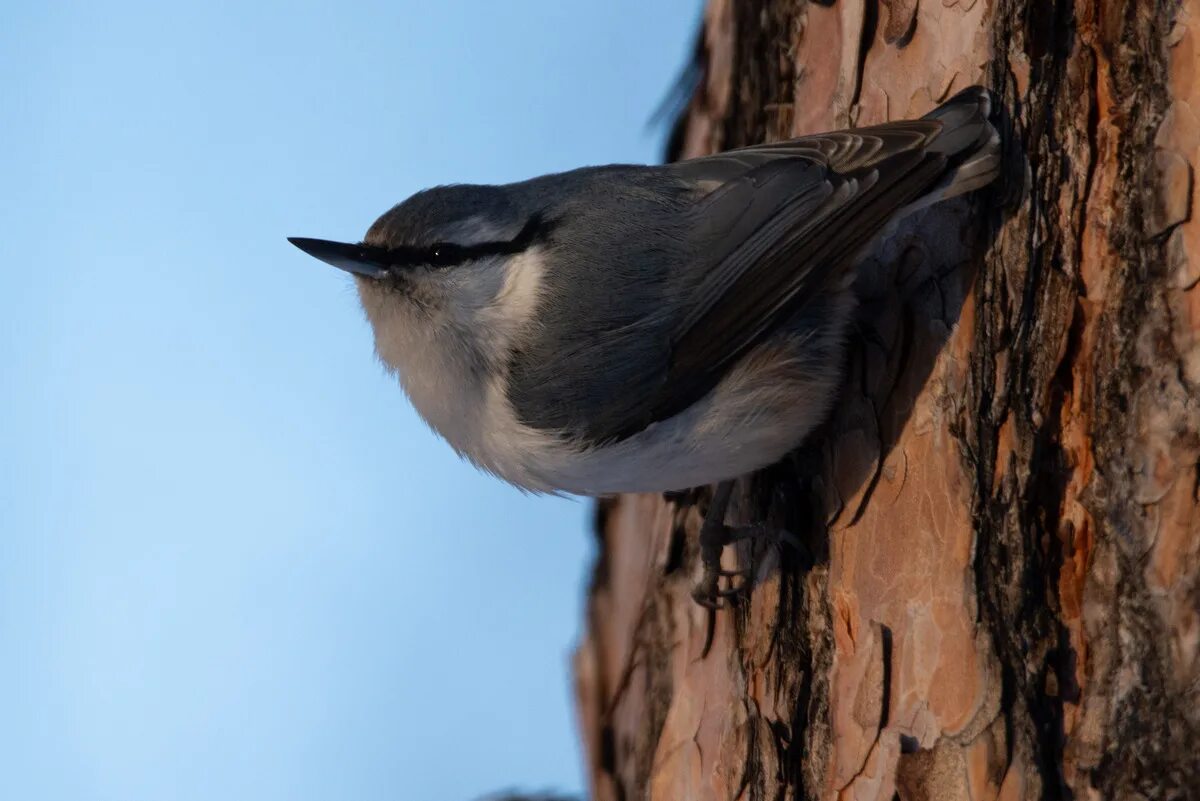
(601, 342)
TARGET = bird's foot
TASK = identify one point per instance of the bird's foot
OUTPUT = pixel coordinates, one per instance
(708, 591)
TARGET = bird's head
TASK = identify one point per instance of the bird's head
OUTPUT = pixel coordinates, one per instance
(453, 261)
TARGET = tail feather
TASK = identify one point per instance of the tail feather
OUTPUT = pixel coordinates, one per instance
(958, 133)
(970, 143)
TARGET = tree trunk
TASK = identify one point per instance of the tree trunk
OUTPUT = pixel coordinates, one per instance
(998, 595)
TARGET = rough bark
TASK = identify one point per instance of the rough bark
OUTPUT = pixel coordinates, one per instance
(1000, 597)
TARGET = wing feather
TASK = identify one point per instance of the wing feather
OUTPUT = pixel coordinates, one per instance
(763, 231)
(783, 264)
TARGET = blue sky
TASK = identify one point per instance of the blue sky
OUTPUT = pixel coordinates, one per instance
(233, 563)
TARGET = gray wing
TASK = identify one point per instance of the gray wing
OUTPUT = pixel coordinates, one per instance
(770, 255)
(772, 227)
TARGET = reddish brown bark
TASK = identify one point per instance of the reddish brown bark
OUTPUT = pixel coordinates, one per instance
(1002, 598)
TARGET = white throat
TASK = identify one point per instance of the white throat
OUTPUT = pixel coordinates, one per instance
(448, 342)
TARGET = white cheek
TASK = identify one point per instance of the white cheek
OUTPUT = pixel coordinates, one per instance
(500, 304)
(522, 287)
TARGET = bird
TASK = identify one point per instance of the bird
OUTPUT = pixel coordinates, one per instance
(649, 328)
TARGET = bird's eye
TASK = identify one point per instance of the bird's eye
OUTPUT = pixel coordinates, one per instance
(442, 255)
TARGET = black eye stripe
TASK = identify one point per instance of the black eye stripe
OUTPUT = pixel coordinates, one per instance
(448, 254)
(445, 254)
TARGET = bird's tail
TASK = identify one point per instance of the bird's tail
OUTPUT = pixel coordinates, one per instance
(969, 142)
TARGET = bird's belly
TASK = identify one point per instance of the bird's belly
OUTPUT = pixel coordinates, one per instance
(759, 412)
(666, 458)
(700, 446)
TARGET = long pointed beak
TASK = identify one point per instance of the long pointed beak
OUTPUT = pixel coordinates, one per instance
(358, 259)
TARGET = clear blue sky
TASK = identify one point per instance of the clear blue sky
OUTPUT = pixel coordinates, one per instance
(233, 563)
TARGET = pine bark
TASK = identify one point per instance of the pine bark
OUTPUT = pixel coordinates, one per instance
(998, 595)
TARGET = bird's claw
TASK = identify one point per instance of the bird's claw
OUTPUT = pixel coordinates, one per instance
(708, 591)
(714, 598)
(714, 536)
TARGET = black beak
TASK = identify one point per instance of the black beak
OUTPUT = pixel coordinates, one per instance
(358, 259)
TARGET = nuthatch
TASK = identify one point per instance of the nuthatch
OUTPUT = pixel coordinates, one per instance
(648, 328)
